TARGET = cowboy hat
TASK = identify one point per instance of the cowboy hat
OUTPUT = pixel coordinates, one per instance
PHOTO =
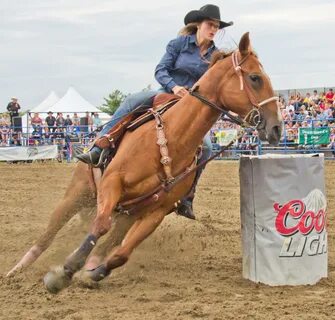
(209, 11)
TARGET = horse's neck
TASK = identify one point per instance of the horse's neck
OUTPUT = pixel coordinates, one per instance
(194, 120)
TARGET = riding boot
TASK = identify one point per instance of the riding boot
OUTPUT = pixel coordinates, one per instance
(185, 205)
(185, 208)
(91, 157)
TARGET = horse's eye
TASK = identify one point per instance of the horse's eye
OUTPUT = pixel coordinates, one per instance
(254, 77)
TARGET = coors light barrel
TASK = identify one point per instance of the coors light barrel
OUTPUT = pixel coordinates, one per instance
(283, 217)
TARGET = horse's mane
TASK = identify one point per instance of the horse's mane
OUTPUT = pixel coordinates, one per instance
(219, 55)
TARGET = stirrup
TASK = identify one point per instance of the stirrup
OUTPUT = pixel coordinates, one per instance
(104, 154)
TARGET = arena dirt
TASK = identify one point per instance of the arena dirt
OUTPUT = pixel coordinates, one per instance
(186, 270)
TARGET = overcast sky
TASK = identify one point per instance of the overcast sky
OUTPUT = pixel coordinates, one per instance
(102, 45)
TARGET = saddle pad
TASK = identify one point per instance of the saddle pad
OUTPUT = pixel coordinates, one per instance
(149, 116)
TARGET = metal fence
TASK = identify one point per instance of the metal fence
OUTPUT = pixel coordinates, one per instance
(69, 138)
(290, 142)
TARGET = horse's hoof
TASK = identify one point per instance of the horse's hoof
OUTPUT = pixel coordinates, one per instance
(56, 280)
(98, 273)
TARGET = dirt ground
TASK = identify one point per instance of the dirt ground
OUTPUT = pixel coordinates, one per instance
(186, 270)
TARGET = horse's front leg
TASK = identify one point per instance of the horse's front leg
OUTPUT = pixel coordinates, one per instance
(109, 193)
(120, 226)
(140, 230)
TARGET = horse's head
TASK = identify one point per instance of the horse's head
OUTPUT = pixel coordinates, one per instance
(243, 87)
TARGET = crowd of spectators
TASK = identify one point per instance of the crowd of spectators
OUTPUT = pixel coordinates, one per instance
(311, 110)
(50, 129)
(298, 111)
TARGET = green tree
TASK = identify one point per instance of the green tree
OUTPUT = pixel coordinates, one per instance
(113, 101)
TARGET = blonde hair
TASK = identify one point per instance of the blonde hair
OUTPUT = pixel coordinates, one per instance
(190, 28)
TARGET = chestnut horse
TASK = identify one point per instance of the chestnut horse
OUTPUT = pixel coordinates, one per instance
(136, 168)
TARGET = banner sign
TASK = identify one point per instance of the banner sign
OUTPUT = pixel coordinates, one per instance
(224, 137)
(314, 135)
(28, 153)
(284, 219)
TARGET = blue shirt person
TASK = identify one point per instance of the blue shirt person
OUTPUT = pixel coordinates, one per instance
(182, 63)
(186, 59)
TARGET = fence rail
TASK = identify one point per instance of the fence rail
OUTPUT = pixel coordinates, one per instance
(319, 138)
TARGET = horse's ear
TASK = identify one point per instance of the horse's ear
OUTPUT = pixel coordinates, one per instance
(244, 45)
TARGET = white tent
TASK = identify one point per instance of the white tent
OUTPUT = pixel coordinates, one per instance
(71, 102)
(74, 102)
(47, 103)
(44, 106)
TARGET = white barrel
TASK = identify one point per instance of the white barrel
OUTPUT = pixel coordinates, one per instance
(283, 218)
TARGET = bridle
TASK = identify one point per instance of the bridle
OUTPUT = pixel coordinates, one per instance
(253, 118)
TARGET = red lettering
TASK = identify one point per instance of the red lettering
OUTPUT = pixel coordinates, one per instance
(294, 208)
(306, 221)
(320, 221)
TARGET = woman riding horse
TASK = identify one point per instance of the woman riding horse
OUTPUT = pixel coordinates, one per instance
(185, 61)
(235, 82)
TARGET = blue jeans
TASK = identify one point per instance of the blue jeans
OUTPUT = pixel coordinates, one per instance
(128, 105)
(131, 103)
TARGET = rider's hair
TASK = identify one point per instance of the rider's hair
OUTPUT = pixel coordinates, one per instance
(190, 28)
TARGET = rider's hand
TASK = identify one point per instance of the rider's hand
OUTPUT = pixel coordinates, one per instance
(179, 91)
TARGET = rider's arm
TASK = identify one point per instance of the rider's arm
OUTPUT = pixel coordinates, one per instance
(167, 63)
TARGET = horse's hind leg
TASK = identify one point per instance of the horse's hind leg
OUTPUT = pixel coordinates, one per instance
(140, 230)
(75, 197)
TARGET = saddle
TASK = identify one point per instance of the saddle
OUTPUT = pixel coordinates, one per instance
(159, 103)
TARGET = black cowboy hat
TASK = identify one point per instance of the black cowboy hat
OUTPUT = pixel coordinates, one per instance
(209, 11)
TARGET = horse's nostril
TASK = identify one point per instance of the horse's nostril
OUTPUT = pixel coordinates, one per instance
(276, 131)
(274, 135)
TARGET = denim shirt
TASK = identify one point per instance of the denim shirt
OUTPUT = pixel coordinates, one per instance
(182, 63)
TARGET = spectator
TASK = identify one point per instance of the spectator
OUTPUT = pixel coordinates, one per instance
(60, 121)
(306, 102)
(13, 108)
(76, 123)
(16, 139)
(290, 133)
(89, 122)
(292, 116)
(4, 131)
(36, 123)
(76, 119)
(322, 104)
(281, 103)
(330, 96)
(96, 121)
(285, 115)
(68, 122)
(297, 102)
(50, 121)
(315, 97)
(290, 106)
(302, 114)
